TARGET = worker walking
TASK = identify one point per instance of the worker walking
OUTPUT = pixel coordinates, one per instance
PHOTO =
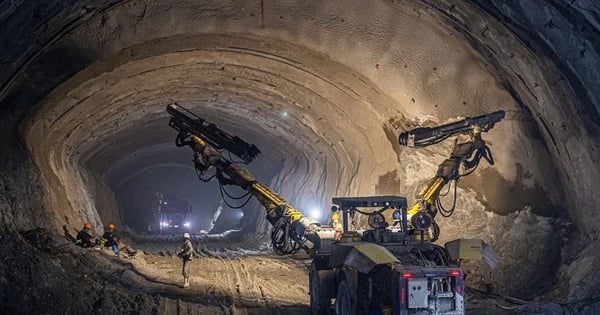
(85, 237)
(108, 240)
(185, 253)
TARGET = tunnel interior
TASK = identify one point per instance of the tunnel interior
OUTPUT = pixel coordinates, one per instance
(323, 89)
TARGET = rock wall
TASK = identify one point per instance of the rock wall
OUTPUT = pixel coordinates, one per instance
(92, 80)
(21, 192)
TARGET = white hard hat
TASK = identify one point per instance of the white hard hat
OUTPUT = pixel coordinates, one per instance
(186, 235)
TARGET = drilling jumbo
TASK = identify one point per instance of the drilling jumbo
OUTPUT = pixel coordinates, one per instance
(386, 269)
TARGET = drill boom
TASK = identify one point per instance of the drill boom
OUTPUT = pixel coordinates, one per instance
(467, 154)
(424, 136)
(289, 226)
(187, 122)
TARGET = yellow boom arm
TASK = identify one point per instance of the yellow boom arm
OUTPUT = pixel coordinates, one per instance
(467, 154)
(289, 224)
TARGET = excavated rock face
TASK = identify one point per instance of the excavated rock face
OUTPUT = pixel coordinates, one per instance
(323, 89)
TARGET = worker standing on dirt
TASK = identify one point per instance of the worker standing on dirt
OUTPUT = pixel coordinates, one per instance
(85, 237)
(185, 253)
(108, 240)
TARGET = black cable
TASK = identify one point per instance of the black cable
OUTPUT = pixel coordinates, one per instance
(441, 255)
(484, 152)
(435, 231)
(282, 238)
(236, 161)
(418, 254)
(224, 193)
(487, 155)
(447, 191)
(236, 207)
(369, 213)
(222, 187)
(200, 174)
(278, 237)
(181, 139)
(447, 213)
(474, 163)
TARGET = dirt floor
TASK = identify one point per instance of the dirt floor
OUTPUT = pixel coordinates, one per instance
(237, 284)
(57, 277)
(264, 284)
(247, 278)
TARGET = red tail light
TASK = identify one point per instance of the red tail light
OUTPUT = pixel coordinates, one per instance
(455, 273)
(407, 275)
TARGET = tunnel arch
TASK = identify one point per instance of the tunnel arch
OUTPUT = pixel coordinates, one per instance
(325, 54)
(232, 105)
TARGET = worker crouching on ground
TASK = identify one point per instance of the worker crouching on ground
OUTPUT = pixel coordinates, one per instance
(185, 253)
(108, 240)
(85, 237)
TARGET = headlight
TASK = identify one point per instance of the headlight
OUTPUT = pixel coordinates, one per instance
(186, 224)
(421, 221)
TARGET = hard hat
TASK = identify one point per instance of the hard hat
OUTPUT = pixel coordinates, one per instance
(111, 226)
(335, 216)
(87, 226)
(186, 235)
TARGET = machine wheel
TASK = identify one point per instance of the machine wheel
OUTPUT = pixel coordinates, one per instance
(321, 286)
(345, 302)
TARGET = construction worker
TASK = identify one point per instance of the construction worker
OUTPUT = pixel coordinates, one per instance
(108, 240)
(85, 237)
(185, 253)
(336, 224)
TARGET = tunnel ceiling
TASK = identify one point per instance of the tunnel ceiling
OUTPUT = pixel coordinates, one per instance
(334, 72)
(322, 88)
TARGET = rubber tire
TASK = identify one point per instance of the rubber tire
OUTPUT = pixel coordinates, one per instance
(345, 302)
(321, 284)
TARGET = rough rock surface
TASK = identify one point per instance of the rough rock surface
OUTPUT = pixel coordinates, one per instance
(84, 84)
